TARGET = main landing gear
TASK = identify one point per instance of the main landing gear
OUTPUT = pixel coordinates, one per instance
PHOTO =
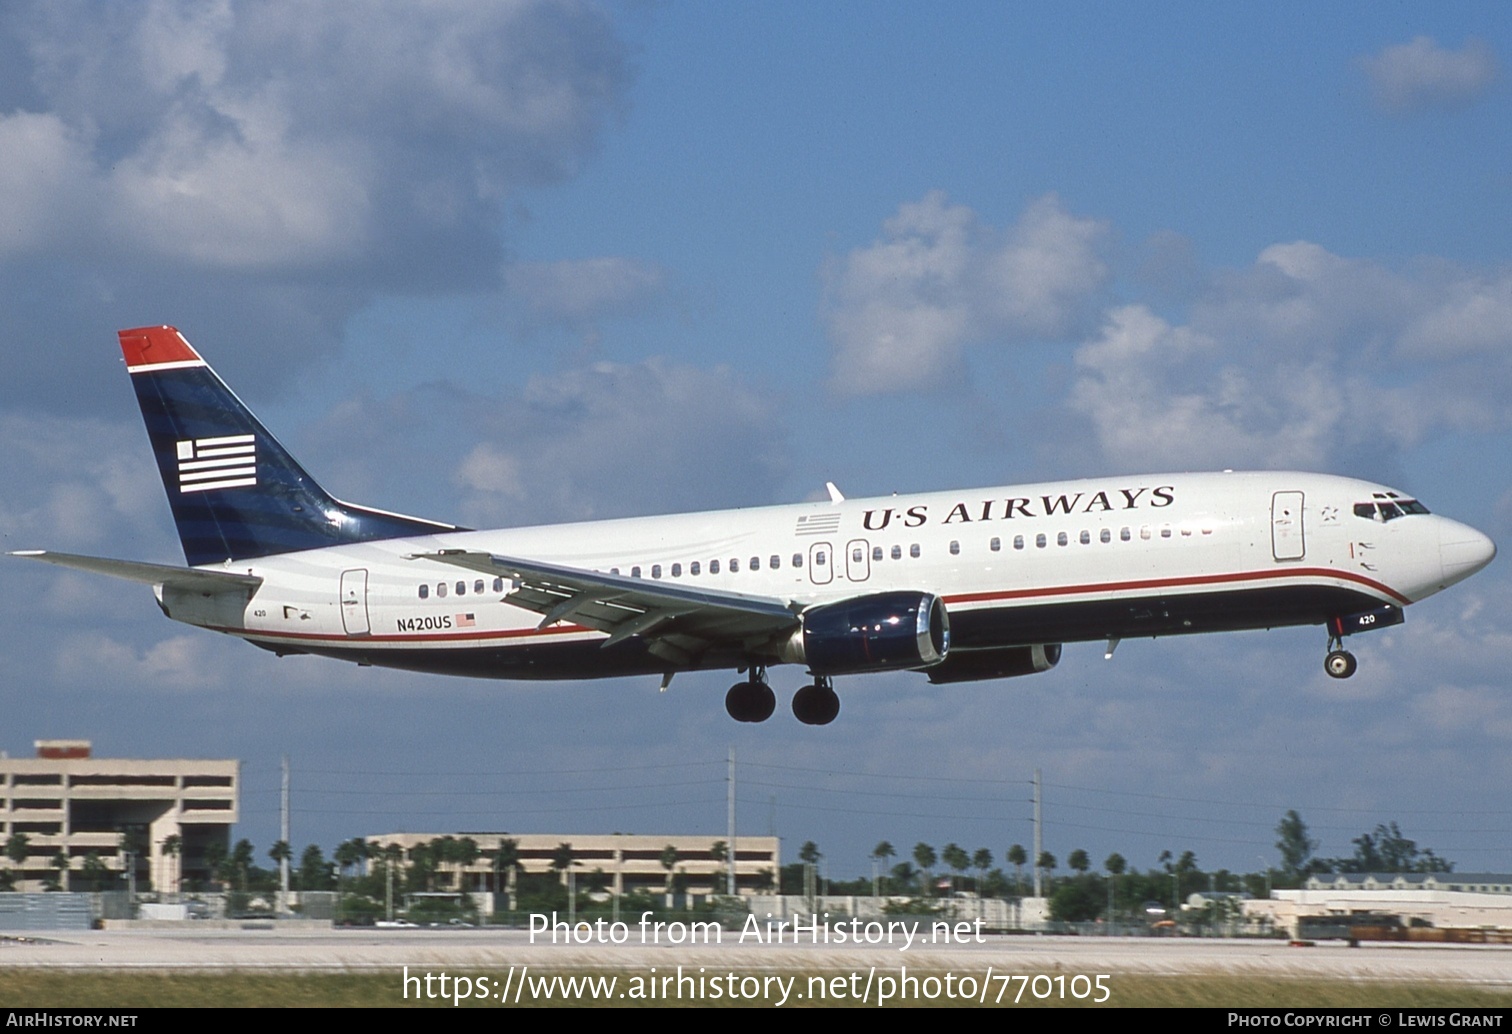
(1339, 663)
(817, 704)
(752, 700)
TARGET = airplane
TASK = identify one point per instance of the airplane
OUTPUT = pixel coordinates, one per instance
(960, 586)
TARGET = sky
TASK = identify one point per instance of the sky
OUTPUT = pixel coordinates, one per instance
(524, 262)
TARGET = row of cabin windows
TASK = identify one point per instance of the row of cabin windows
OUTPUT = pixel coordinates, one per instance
(774, 562)
(461, 587)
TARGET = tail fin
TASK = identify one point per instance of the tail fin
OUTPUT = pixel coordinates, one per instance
(235, 492)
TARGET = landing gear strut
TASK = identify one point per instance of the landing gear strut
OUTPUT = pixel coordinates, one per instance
(1339, 663)
(817, 704)
(752, 700)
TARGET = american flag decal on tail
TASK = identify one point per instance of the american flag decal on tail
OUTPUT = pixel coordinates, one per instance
(207, 463)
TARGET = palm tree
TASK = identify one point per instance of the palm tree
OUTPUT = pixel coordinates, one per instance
(880, 854)
(924, 857)
(1116, 864)
(562, 860)
(17, 847)
(719, 851)
(955, 856)
(507, 861)
(669, 862)
(1079, 862)
(1017, 857)
(981, 861)
(1046, 861)
(173, 847)
(465, 854)
(59, 861)
(215, 860)
(241, 860)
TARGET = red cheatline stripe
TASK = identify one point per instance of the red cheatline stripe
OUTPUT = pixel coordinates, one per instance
(1177, 583)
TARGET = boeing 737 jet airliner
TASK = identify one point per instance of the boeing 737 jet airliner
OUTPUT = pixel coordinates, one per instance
(976, 584)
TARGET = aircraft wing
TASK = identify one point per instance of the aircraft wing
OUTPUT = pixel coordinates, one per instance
(188, 578)
(678, 622)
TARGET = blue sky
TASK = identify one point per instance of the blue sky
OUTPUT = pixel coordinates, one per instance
(526, 262)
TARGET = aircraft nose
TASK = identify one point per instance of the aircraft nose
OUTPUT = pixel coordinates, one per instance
(1463, 550)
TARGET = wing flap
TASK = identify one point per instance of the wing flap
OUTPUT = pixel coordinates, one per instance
(187, 578)
(676, 621)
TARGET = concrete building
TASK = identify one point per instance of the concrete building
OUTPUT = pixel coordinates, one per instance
(66, 802)
(1444, 900)
(631, 862)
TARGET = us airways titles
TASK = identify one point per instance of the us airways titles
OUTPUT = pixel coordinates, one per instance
(1026, 506)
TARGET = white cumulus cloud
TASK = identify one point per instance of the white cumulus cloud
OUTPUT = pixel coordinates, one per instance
(1418, 75)
(901, 312)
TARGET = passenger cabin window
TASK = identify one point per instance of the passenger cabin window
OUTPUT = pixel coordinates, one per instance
(713, 566)
(876, 552)
(1061, 539)
(478, 587)
(498, 585)
(1105, 535)
(797, 559)
(677, 570)
(897, 552)
(774, 561)
(1165, 531)
(734, 565)
(441, 591)
(955, 548)
(656, 570)
(913, 551)
(1125, 534)
(755, 563)
(1086, 538)
(635, 571)
(1018, 542)
(425, 592)
(461, 588)
(694, 568)
(857, 555)
(819, 559)
(995, 545)
(1039, 540)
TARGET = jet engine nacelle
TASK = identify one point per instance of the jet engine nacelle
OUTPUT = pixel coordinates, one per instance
(881, 632)
(975, 665)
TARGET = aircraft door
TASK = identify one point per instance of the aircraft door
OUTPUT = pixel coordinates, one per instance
(354, 610)
(857, 562)
(820, 564)
(1288, 541)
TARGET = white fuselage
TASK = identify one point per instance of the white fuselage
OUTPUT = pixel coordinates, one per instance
(1031, 564)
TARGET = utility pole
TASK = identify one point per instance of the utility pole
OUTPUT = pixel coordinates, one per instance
(1039, 838)
(730, 857)
(283, 829)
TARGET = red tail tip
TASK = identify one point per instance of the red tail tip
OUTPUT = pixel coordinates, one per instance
(144, 346)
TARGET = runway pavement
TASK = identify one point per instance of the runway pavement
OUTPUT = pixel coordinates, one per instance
(485, 951)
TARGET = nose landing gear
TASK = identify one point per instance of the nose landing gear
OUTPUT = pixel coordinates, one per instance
(1339, 663)
(752, 700)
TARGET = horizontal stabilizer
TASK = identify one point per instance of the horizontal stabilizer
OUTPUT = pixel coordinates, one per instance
(150, 574)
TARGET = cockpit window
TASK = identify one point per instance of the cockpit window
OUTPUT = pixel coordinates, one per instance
(1389, 509)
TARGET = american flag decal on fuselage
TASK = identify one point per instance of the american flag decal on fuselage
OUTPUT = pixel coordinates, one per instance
(206, 463)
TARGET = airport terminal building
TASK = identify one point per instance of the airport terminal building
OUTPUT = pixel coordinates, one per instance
(66, 808)
(629, 862)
